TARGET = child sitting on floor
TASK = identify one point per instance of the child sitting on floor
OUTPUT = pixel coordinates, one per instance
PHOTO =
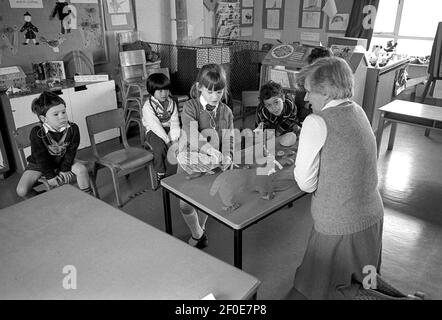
(54, 144)
(276, 110)
(160, 117)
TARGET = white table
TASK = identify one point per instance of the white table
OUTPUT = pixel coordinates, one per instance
(115, 255)
(411, 113)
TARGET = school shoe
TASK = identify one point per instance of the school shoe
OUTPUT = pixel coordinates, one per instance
(200, 243)
(158, 180)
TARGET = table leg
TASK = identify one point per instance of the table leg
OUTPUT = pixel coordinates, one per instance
(392, 135)
(427, 132)
(238, 249)
(167, 213)
(380, 131)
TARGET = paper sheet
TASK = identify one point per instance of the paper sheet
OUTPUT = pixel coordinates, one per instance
(26, 3)
(271, 4)
(272, 34)
(246, 32)
(272, 19)
(118, 6)
(118, 19)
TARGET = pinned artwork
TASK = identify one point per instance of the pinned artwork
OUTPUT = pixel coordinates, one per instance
(70, 19)
(67, 14)
(90, 28)
(29, 29)
(53, 44)
(9, 39)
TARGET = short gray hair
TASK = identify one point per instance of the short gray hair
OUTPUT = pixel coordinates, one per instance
(331, 77)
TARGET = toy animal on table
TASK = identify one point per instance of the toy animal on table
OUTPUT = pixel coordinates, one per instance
(230, 183)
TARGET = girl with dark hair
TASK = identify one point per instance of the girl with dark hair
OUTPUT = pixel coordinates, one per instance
(160, 118)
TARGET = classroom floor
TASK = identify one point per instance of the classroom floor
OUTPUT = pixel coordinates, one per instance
(410, 181)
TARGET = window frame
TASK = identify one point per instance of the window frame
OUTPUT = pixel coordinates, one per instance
(395, 35)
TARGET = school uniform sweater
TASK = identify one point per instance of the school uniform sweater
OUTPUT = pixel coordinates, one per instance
(220, 119)
(41, 156)
(153, 110)
(347, 199)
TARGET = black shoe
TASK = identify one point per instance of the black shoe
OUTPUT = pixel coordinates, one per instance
(200, 243)
(158, 180)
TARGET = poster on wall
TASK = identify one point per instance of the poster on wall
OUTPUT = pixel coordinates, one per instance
(15, 4)
(247, 13)
(339, 22)
(228, 19)
(311, 14)
(273, 14)
(119, 15)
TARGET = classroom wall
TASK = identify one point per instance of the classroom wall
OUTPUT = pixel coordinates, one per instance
(155, 19)
(291, 31)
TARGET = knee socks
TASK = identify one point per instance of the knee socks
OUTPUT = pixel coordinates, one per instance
(88, 190)
(193, 224)
(202, 217)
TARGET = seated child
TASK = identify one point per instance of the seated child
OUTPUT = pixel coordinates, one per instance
(54, 144)
(160, 117)
(304, 108)
(276, 110)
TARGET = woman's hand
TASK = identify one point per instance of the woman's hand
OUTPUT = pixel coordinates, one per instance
(53, 183)
(226, 162)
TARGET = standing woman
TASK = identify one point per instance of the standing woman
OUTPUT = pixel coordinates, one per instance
(337, 162)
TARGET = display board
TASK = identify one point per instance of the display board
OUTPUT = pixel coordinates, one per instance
(48, 33)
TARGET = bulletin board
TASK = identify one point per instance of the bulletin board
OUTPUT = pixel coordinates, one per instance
(119, 14)
(310, 14)
(339, 23)
(273, 14)
(50, 41)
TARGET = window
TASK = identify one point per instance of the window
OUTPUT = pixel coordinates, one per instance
(410, 23)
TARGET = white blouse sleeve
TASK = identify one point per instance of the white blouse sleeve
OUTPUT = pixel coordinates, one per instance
(311, 140)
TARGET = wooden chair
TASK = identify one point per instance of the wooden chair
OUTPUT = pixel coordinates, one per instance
(123, 161)
(22, 141)
(249, 100)
(133, 86)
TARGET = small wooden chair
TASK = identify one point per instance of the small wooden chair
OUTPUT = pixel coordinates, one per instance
(123, 161)
(22, 141)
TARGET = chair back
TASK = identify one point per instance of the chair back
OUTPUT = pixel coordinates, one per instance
(133, 65)
(125, 37)
(164, 71)
(104, 121)
(22, 140)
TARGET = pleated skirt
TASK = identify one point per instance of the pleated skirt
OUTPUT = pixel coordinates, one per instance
(333, 265)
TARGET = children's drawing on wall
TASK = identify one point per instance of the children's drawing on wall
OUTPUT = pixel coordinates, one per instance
(9, 40)
(70, 19)
(312, 5)
(29, 29)
(59, 12)
(228, 20)
(118, 6)
(273, 4)
(339, 22)
(90, 28)
(54, 44)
